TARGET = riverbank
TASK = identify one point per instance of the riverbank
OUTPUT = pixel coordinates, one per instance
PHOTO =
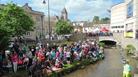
(58, 60)
(111, 66)
(133, 60)
(68, 68)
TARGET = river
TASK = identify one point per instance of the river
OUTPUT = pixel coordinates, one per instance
(111, 66)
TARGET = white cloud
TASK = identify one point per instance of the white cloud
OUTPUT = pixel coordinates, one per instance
(85, 10)
(38, 4)
(77, 9)
(55, 6)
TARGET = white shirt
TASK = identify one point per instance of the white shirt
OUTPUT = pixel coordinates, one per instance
(67, 54)
(127, 68)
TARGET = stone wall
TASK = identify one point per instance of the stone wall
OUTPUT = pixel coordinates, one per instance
(125, 41)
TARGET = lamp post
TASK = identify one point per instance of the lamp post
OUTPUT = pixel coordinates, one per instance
(49, 31)
(42, 34)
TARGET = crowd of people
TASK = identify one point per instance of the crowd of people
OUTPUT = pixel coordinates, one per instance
(51, 58)
(99, 34)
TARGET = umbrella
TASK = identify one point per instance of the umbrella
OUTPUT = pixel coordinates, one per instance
(104, 29)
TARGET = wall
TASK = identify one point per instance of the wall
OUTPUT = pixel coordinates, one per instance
(136, 13)
(53, 21)
(38, 18)
(125, 41)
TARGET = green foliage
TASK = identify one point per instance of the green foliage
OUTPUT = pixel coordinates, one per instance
(105, 20)
(96, 20)
(13, 22)
(4, 40)
(130, 49)
(85, 62)
(101, 44)
(63, 27)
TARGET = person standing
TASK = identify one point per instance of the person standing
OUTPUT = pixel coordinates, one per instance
(68, 55)
(1, 60)
(14, 58)
(30, 57)
(127, 72)
(1, 64)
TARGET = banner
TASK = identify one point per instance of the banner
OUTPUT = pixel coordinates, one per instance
(129, 34)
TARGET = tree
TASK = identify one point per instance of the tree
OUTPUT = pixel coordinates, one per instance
(14, 21)
(63, 27)
(105, 20)
(96, 20)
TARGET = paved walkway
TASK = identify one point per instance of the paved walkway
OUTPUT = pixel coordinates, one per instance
(111, 66)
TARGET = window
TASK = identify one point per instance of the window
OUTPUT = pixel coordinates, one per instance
(118, 26)
(114, 26)
(28, 33)
(130, 9)
(122, 26)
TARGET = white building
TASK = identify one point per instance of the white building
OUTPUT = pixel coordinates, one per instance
(124, 18)
(81, 26)
(87, 27)
(118, 16)
(131, 22)
(124, 22)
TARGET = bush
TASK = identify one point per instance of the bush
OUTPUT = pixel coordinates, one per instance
(130, 49)
(101, 44)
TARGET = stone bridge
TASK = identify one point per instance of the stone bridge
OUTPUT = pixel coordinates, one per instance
(108, 40)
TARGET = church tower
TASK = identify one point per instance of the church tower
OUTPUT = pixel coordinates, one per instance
(64, 14)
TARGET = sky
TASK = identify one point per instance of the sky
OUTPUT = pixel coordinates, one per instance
(78, 10)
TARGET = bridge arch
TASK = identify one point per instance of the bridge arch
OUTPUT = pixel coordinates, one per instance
(108, 41)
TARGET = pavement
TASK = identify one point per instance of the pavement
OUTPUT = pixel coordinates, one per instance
(135, 75)
(111, 66)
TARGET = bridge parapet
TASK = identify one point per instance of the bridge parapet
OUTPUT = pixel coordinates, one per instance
(106, 38)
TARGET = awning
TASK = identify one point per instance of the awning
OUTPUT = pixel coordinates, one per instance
(104, 29)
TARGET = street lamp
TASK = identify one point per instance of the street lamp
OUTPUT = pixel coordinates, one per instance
(49, 31)
(42, 34)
